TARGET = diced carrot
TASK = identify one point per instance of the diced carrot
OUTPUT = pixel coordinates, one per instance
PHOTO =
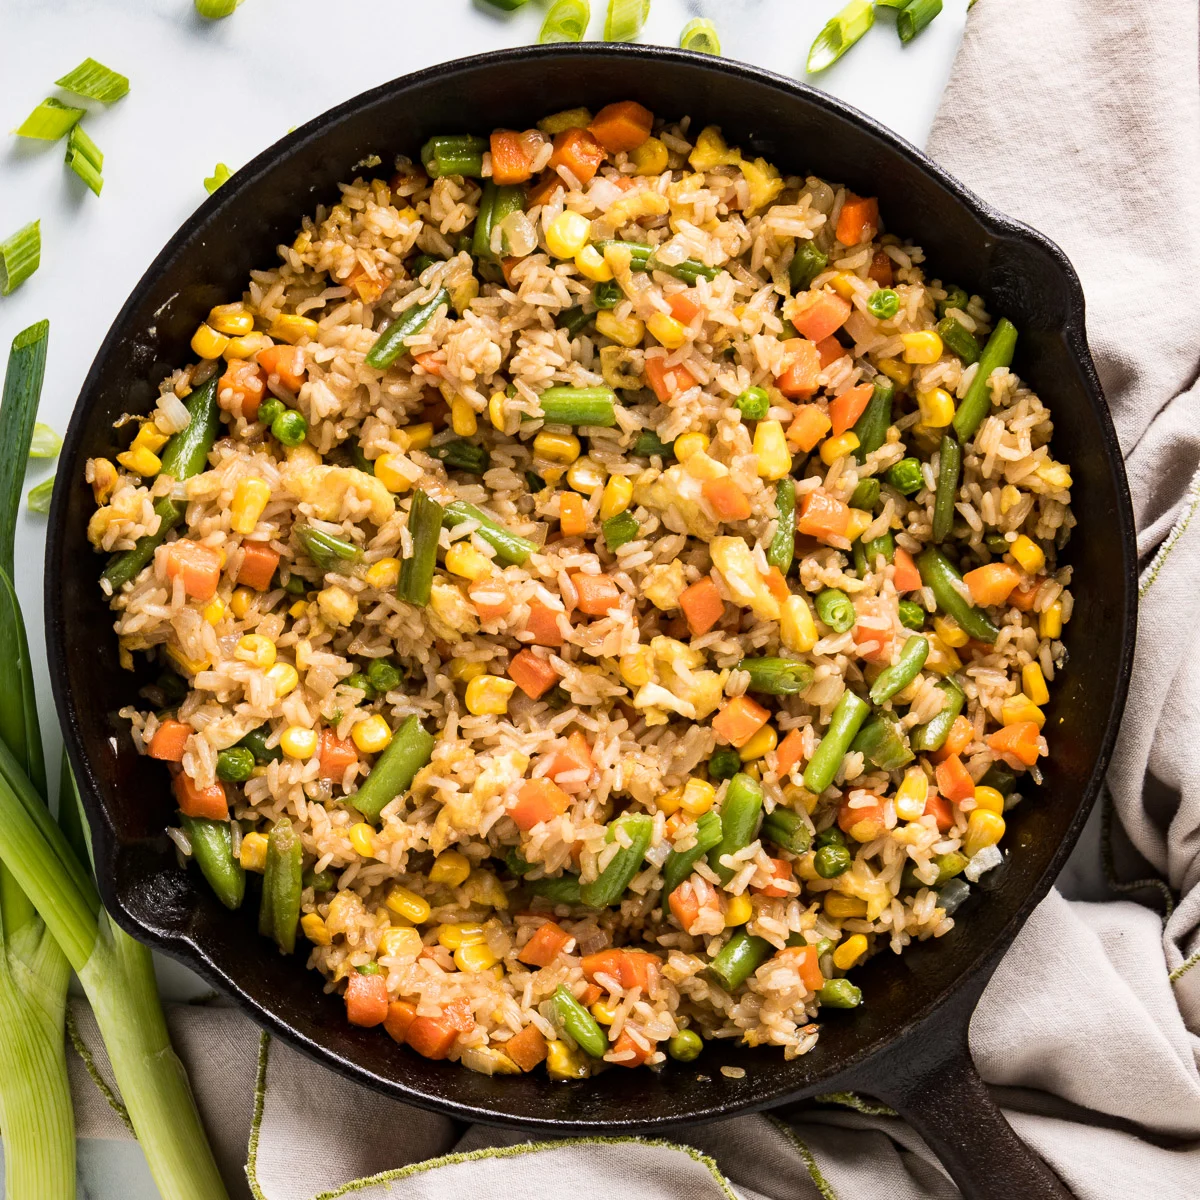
(1020, 742)
(684, 308)
(829, 350)
(992, 583)
(1024, 595)
(740, 720)
(807, 964)
(576, 757)
(431, 1037)
(509, 162)
(259, 563)
(954, 780)
(957, 740)
(782, 870)
(241, 388)
(848, 407)
(366, 1000)
(457, 1014)
(702, 605)
(545, 945)
(508, 264)
(727, 500)
(667, 382)
(623, 126)
(597, 594)
(541, 192)
(976, 649)
(572, 516)
(533, 675)
(626, 1045)
(822, 516)
(169, 740)
(858, 221)
(286, 363)
(197, 565)
(538, 800)
(368, 287)
(335, 754)
(873, 644)
(881, 269)
(863, 822)
(207, 802)
(905, 576)
(818, 314)
(801, 367)
(776, 584)
(579, 152)
(431, 362)
(685, 901)
(630, 968)
(543, 624)
(938, 807)
(527, 1048)
(591, 994)
(789, 753)
(490, 598)
(400, 1015)
(809, 425)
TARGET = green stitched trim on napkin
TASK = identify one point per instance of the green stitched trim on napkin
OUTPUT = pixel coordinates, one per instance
(856, 1102)
(1177, 531)
(89, 1065)
(810, 1159)
(1183, 968)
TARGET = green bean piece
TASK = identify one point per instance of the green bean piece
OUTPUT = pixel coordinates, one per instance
(831, 861)
(290, 428)
(421, 264)
(391, 343)
(516, 862)
(574, 319)
(998, 352)
(738, 959)
(650, 445)
(579, 406)
(959, 339)
(235, 765)
(912, 615)
(383, 675)
(534, 482)
(510, 548)
(829, 836)
(607, 294)
(620, 529)
(807, 263)
(496, 203)
(408, 751)
(679, 863)
(949, 469)
(579, 1023)
(932, 734)
(847, 720)
(938, 574)
(777, 676)
(685, 1046)
(610, 886)
(871, 428)
(269, 410)
(456, 155)
(788, 830)
(906, 476)
(753, 403)
(866, 494)
(836, 609)
(858, 553)
(642, 259)
(283, 881)
(740, 811)
(319, 881)
(956, 297)
(725, 763)
(883, 303)
(1001, 778)
(884, 544)
(296, 585)
(461, 455)
(782, 549)
(839, 993)
(330, 553)
(915, 17)
(185, 455)
(948, 866)
(212, 848)
(558, 889)
(897, 677)
(882, 744)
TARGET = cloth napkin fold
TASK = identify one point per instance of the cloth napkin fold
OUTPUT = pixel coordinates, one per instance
(1081, 117)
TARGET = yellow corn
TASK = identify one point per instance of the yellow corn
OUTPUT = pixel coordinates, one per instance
(670, 802)
(240, 601)
(416, 437)
(496, 410)
(406, 904)
(388, 473)
(605, 1014)
(208, 343)
(249, 499)
(557, 447)
(297, 610)
(192, 666)
(650, 158)
(670, 332)
(150, 436)
(950, 632)
(912, 794)
(231, 318)
(464, 669)
(371, 736)
(591, 264)
(566, 1062)
(844, 907)
(900, 373)
(843, 284)
(140, 461)
(454, 937)
(287, 327)
(1010, 497)
(937, 408)
(461, 293)
(488, 695)
(983, 829)
(797, 629)
(1034, 683)
(585, 476)
(253, 854)
(450, 867)
(618, 492)
(1055, 475)
(636, 667)
(475, 958)
(838, 447)
(464, 560)
(314, 929)
(763, 742)
(463, 420)
(285, 677)
(247, 346)
(738, 910)
(771, 450)
(989, 799)
(384, 574)
(1050, 622)
(298, 742)
(688, 444)
(1020, 708)
(849, 952)
(336, 605)
(568, 234)
(362, 838)
(698, 797)
(922, 348)
(942, 659)
(859, 520)
(1029, 554)
(625, 331)
(400, 943)
(800, 797)
(255, 649)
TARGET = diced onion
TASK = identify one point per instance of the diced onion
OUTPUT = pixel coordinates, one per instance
(984, 861)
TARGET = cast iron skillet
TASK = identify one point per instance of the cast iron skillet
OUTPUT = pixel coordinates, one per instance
(907, 1045)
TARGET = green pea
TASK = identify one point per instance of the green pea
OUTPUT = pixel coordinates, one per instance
(607, 294)
(268, 410)
(290, 428)
(831, 861)
(685, 1046)
(839, 993)
(360, 681)
(883, 303)
(906, 476)
(235, 764)
(724, 764)
(369, 969)
(912, 615)
(255, 741)
(753, 403)
(383, 675)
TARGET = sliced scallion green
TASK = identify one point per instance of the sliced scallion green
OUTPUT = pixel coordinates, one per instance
(700, 34)
(214, 10)
(45, 442)
(49, 121)
(20, 256)
(915, 16)
(567, 21)
(39, 496)
(893, 4)
(95, 81)
(508, 5)
(840, 33)
(85, 159)
(625, 19)
(220, 175)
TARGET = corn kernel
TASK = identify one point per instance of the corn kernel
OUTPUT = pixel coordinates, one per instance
(362, 838)
(314, 929)
(688, 444)
(797, 629)
(912, 794)
(844, 907)
(253, 854)
(463, 420)
(625, 331)
(400, 943)
(771, 450)
(462, 293)
(416, 437)
(250, 497)
(1020, 708)
(556, 447)
(618, 492)
(1010, 497)
(942, 659)
(247, 346)
(285, 677)
(900, 373)
(566, 1062)
(937, 408)
(287, 327)
(849, 952)
(150, 436)
(489, 695)
(140, 461)
(951, 633)
(698, 797)
(372, 736)
(1050, 622)
(983, 829)
(464, 669)
(1029, 554)
(208, 343)
(255, 649)
(475, 958)
(298, 742)
(859, 520)
(214, 610)
(738, 910)
(384, 574)
(989, 799)
(568, 234)
(670, 332)
(297, 610)
(838, 447)
(843, 284)
(586, 476)
(464, 560)
(636, 667)
(800, 797)
(922, 348)
(591, 264)
(605, 1014)
(232, 319)
(650, 158)
(192, 666)
(336, 605)
(387, 471)
(1034, 683)
(408, 905)
(670, 802)
(763, 742)
(454, 937)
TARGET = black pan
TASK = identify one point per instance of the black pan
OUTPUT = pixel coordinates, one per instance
(907, 1045)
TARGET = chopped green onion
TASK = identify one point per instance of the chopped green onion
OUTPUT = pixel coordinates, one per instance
(220, 175)
(625, 19)
(20, 256)
(620, 529)
(508, 5)
(700, 35)
(893, 4)
(567, 21)
(915, 16)
(214, 10)
(39, 496)
(85, 159)
(46, 443)
(95, 81)
(86, 171)
(839, 34)
(49, 121)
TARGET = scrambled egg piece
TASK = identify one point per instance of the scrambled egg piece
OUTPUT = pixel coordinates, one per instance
(733, 559)
(325, 489)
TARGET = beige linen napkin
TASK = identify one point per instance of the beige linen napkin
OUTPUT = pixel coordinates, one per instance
(1081, 117)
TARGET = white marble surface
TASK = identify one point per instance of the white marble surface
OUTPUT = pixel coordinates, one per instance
(204, 92)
